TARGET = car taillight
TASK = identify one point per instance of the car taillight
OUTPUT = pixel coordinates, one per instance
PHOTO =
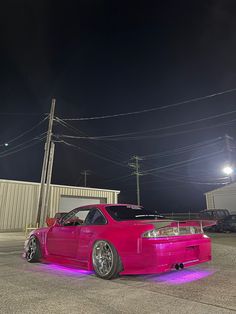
(172, 231)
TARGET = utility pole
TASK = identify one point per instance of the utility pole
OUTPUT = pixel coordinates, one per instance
(49, 177)
(136, 166)
(85, 173)
(45, 164)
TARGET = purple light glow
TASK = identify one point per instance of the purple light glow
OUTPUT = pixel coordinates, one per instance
(183, 276)
(67, 270)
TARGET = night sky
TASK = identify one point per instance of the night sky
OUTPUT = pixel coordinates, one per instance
(100, 58)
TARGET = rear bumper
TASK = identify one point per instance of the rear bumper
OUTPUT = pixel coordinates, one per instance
(154, 256)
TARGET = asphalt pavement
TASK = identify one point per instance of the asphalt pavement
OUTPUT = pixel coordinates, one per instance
(50, 288)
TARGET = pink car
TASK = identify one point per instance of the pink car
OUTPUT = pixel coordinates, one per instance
(120, 239)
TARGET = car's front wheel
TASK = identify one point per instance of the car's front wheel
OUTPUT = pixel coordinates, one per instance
(33, 253)
(106, 261)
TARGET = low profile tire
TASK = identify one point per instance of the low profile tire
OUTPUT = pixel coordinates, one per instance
(33, 253)
(106, 261)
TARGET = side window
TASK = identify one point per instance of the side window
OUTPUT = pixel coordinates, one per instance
(75, 217)
(95, 217)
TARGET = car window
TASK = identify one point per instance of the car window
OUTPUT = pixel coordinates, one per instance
(75, 217)
(95, 217)
(131, 212)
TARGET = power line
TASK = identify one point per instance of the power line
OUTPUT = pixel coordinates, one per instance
(181, 162)
(38, 137)
(25, 132)
(155, 108)
(77, 131)
(93, 154)
(120, 137)
(13, 151)
(21, 114)
(183, 149)
(187, 181)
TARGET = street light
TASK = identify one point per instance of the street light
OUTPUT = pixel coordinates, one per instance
(228, 170)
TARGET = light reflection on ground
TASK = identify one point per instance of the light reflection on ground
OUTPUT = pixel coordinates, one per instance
(66, 270)
(182, 276)
(171, 278)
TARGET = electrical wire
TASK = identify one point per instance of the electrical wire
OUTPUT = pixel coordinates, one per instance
(121, 137)
(193, 100)
(21, 114)
(93, 154)
(25, 132)
(77, 131)
(183, 149)
(13, 151)
(180, 163)
(189, 181)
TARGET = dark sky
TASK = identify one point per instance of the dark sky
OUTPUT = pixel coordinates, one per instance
(107, 57)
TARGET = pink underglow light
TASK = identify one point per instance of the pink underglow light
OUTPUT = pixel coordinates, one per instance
(182, 276)
(67, 270)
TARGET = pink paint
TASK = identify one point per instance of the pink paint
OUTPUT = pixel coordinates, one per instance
(73, 245)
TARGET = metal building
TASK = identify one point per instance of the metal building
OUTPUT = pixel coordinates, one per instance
(19, 201)
(222, 198)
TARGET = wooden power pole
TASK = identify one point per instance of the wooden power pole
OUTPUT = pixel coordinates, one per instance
(47, 146)
(49, 177)
(135, 165)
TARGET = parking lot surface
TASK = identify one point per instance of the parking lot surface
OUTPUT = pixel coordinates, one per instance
(50, 288)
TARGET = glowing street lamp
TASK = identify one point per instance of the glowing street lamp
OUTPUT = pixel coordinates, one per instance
(228, 170)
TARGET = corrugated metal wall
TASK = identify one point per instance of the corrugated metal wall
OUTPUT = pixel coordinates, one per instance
(222, 198)
(19, 201)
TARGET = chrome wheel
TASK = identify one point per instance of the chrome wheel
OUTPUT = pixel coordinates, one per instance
(32, 253)
(103, 258)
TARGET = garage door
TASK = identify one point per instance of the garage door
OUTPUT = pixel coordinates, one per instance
(68, 203)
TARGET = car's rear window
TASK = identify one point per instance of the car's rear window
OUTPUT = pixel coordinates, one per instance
(131, 212)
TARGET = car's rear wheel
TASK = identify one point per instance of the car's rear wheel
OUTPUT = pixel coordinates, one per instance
(106, 261)
(33, 253)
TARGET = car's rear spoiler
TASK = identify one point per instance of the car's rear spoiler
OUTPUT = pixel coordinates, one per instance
(184, 223)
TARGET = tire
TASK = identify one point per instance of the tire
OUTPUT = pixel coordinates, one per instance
(33, 253)
(105, 259)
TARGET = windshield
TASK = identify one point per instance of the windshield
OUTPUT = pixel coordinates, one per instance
(131, 212)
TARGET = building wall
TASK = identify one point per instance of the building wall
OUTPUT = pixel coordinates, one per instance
(19, 201)
(223, 198)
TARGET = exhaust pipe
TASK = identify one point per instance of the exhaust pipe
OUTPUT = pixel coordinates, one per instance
(177, 266)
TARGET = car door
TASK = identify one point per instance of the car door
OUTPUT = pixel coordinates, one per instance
(63, 238)
(90, 231)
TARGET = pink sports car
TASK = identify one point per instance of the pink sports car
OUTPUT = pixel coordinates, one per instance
(114, 239)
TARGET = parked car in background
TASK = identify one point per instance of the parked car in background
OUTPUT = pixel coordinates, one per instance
(218, 215)
(57, 216)
(120, 239)
(228, 224)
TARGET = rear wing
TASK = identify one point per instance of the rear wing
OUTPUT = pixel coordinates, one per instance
(200, 223)
(184, 227)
